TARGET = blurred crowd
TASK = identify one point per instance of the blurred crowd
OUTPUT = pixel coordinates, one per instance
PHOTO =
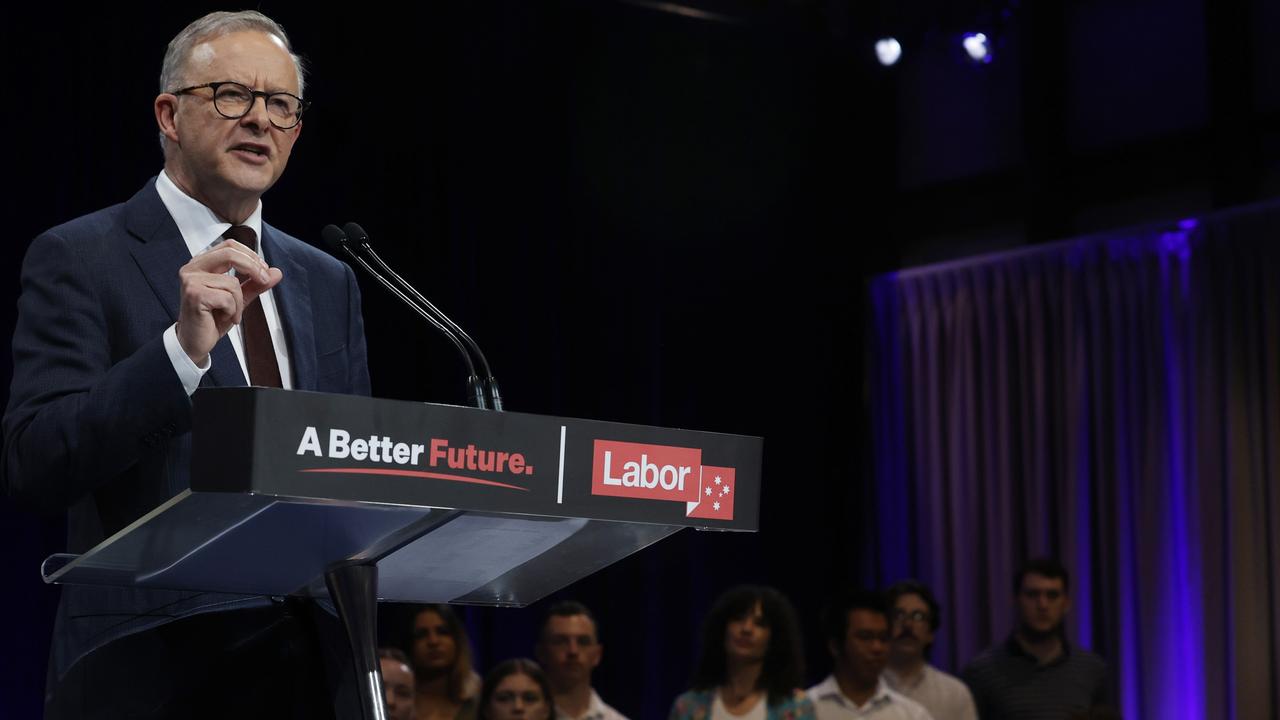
(751, 663)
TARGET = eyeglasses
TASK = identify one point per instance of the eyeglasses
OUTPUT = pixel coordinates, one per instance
(916, 616)
(233, 101)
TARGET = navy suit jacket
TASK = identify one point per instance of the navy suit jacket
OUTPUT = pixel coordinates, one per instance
(98, 421)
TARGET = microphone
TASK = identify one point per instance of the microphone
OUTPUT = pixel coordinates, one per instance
(361, 239)
(340, 244)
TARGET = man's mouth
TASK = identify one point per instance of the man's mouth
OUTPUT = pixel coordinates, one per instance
(252, 149)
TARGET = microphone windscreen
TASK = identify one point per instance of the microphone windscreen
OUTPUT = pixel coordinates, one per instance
(356, 233)
(334, 238)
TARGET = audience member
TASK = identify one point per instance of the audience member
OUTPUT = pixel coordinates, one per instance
(516, 689)
(1036, 673)
(397, 683)
(569, 648)
(914, 617)
(446, 685)
(856, 627)
(751, 663)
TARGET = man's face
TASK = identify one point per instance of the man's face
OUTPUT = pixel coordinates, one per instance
(397, 686)
(1042, 605)
(569, 650)
(911, 626)
(218, 160)
(866, 646)
(434, 649)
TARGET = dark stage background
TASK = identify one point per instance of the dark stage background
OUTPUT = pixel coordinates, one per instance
(665, 217)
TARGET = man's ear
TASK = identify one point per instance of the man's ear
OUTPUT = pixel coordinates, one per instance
(166, 109)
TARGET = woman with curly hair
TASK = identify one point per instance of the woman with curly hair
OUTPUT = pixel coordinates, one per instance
(751, 664)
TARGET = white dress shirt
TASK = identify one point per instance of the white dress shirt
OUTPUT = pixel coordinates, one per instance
(943, 695)
(597, 710)
(885, 704)
(201, 229)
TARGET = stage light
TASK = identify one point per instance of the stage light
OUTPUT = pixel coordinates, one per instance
(977, 47)
(888, 50)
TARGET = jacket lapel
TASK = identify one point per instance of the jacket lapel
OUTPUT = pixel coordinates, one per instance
(293, 301)
(160, 253)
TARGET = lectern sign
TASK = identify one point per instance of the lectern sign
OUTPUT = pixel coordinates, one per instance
(660, 472)
(345, 448)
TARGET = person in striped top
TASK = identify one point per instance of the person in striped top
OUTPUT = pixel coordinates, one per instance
(1036, 673)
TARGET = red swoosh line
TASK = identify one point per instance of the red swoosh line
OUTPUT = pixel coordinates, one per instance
(415, 473)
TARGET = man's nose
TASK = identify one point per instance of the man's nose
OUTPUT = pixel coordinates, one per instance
(257, 117)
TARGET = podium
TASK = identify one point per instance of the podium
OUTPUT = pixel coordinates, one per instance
(356, 500)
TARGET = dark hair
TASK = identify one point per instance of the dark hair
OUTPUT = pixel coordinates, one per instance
(390, 653)
(568, 608)
(1044, 566)
(783, 669)
(514, 666)
(460, 675)
(835, 615)
(915, 587)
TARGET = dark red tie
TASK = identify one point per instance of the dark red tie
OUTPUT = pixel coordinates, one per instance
(259, 353)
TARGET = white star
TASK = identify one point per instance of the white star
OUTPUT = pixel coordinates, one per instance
(715, 505)
(708, 491)
(724, 491)
(717, 479)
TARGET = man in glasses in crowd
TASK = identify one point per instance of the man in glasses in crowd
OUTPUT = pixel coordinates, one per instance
(124, 314)
(914, 617)
(1036, 673)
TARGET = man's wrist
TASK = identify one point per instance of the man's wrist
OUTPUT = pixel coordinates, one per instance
(187, 370)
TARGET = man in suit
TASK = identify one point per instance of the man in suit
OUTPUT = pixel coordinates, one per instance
(124, 314)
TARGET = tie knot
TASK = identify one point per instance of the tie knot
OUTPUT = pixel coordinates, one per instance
(244, 235)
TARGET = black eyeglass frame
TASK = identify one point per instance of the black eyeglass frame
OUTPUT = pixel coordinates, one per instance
(254, 94)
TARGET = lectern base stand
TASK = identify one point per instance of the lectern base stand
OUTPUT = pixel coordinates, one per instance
(353, 587)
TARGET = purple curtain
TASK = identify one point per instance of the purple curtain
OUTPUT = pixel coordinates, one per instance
(1113, 401)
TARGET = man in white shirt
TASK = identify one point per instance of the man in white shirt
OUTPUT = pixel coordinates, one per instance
(914, 617)
(856, 625)
(569, 649)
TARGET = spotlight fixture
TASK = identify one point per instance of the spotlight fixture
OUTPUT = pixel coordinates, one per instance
(977, 47)
(888, 50)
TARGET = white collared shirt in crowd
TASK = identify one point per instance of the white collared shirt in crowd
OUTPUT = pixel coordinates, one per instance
(597, 710)
(945, 696)
(884, 704)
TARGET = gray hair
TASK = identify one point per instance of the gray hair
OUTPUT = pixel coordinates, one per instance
(217, 24)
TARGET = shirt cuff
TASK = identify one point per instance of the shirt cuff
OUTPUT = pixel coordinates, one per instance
(188, 372)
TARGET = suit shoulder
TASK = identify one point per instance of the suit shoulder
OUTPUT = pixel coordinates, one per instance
(88, 227)
(306, 253)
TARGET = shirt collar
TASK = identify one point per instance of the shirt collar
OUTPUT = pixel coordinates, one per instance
(199, 226)
(829, 689)
(1014, 648)
(595, 709)
(897, 681)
